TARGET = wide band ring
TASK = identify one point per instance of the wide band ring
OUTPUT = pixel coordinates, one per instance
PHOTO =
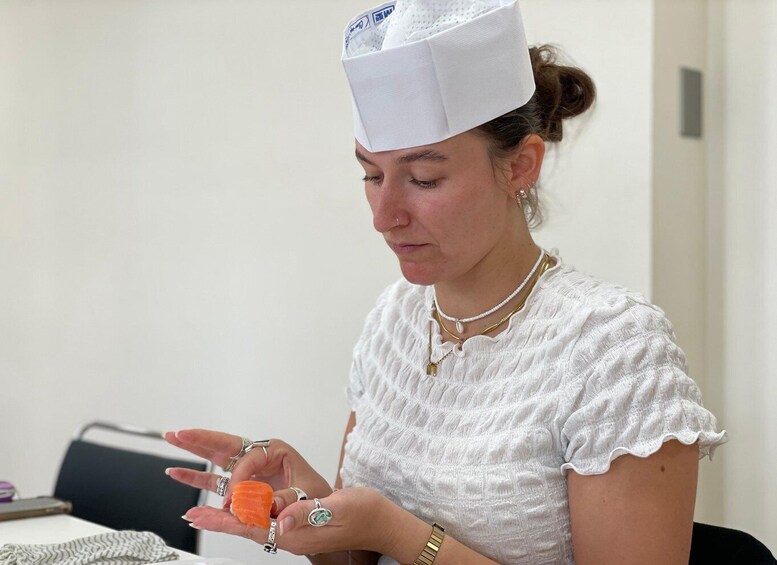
(301, 494)
(247, 446)
(270, 546)
(221, 485)
(319, 516)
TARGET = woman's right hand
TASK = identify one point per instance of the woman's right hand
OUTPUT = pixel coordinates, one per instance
(281, 466)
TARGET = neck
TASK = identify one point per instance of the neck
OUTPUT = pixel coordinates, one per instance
(489, 282)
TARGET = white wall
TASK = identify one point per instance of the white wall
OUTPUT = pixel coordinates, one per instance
(183, 237)
(743, 247)
(679, 227)
(597, 184)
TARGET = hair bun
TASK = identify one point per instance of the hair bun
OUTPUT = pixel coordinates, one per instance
(562, 91)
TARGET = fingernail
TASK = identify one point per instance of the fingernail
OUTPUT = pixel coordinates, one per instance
(185, 518)
(167, 471)
(195, 527)
(286, 525)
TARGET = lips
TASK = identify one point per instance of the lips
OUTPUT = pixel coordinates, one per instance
(405, 248)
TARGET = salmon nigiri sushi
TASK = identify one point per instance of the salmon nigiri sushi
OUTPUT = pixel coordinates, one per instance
(251, 503)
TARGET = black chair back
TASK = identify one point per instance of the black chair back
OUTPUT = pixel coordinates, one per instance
(716, 545)
(128, 490)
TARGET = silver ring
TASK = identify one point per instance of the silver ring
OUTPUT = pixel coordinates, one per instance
(319, 516)
(301, 494)
(263, 443)
(234, 459)
(247, 446)
(221, 486)
(271, 546)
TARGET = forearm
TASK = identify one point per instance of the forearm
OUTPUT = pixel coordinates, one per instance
(339, 558)
(345, 558)
(409, 535)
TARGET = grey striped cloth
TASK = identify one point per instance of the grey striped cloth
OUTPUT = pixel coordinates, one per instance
(111, 548)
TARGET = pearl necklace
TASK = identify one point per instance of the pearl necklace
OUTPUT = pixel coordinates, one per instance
(431, 367)
(461, 321)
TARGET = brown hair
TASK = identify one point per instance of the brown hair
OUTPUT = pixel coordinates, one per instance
(562, 92)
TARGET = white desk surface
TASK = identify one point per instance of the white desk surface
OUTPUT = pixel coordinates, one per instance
(63, 527)
(47, 529)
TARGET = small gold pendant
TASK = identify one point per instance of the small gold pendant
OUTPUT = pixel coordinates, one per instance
(431, 369)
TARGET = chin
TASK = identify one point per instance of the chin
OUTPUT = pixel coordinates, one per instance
(418, 274)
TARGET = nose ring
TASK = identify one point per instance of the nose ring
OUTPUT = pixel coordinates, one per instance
(397, 218)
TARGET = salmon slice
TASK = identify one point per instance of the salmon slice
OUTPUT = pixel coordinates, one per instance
(251, 503)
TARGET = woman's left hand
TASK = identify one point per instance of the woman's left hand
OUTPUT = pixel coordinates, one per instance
(361, 519)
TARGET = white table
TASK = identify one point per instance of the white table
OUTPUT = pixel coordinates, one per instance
(63, 527)
(47, 529)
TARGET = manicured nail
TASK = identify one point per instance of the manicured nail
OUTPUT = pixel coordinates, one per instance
(287, 524)
(167, 471)
(185, 518)
(194, 526)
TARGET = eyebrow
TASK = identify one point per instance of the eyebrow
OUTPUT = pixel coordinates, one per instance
(425, 155)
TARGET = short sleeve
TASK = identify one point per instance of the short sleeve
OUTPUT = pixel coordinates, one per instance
(632, 391)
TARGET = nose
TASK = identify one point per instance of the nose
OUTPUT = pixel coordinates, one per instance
(388, 206)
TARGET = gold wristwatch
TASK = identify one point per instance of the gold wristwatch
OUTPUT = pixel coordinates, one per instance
(432, 546)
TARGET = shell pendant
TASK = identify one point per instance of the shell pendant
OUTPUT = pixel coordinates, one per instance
(459, 326)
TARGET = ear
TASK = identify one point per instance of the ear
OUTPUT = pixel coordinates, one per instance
(525, 164)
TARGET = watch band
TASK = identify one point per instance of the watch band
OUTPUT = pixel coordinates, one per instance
(432, 546)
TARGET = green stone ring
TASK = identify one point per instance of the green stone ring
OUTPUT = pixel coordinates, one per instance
(319, 516)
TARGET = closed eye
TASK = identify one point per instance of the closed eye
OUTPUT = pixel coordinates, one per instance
(372, 179)
(424, 183)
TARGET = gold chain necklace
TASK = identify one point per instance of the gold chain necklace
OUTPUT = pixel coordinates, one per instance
(431, 367)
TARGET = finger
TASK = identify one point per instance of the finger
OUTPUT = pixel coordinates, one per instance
(215, 446)
(282, 499)
(172, 439)
(196, 479)
(295, 516)
(216, 520)
(259, 462)
(219, 442)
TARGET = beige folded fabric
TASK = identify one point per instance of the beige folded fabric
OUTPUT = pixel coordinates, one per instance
(111, 548)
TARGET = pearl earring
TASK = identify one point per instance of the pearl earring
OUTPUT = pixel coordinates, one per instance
(520, 196)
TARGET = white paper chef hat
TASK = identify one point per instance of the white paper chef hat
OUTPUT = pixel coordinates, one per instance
(422, 71)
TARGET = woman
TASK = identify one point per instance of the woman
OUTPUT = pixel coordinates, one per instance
(533, 413)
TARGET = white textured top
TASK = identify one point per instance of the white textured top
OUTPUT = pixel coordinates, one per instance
(586, 372)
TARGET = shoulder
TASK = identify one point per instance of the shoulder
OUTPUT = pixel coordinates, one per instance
(580, 291)
(603, 315)
(600, 301)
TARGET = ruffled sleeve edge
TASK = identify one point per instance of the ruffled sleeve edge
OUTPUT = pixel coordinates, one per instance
(708, 442)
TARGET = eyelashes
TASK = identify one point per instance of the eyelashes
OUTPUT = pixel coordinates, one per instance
(426, 184)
